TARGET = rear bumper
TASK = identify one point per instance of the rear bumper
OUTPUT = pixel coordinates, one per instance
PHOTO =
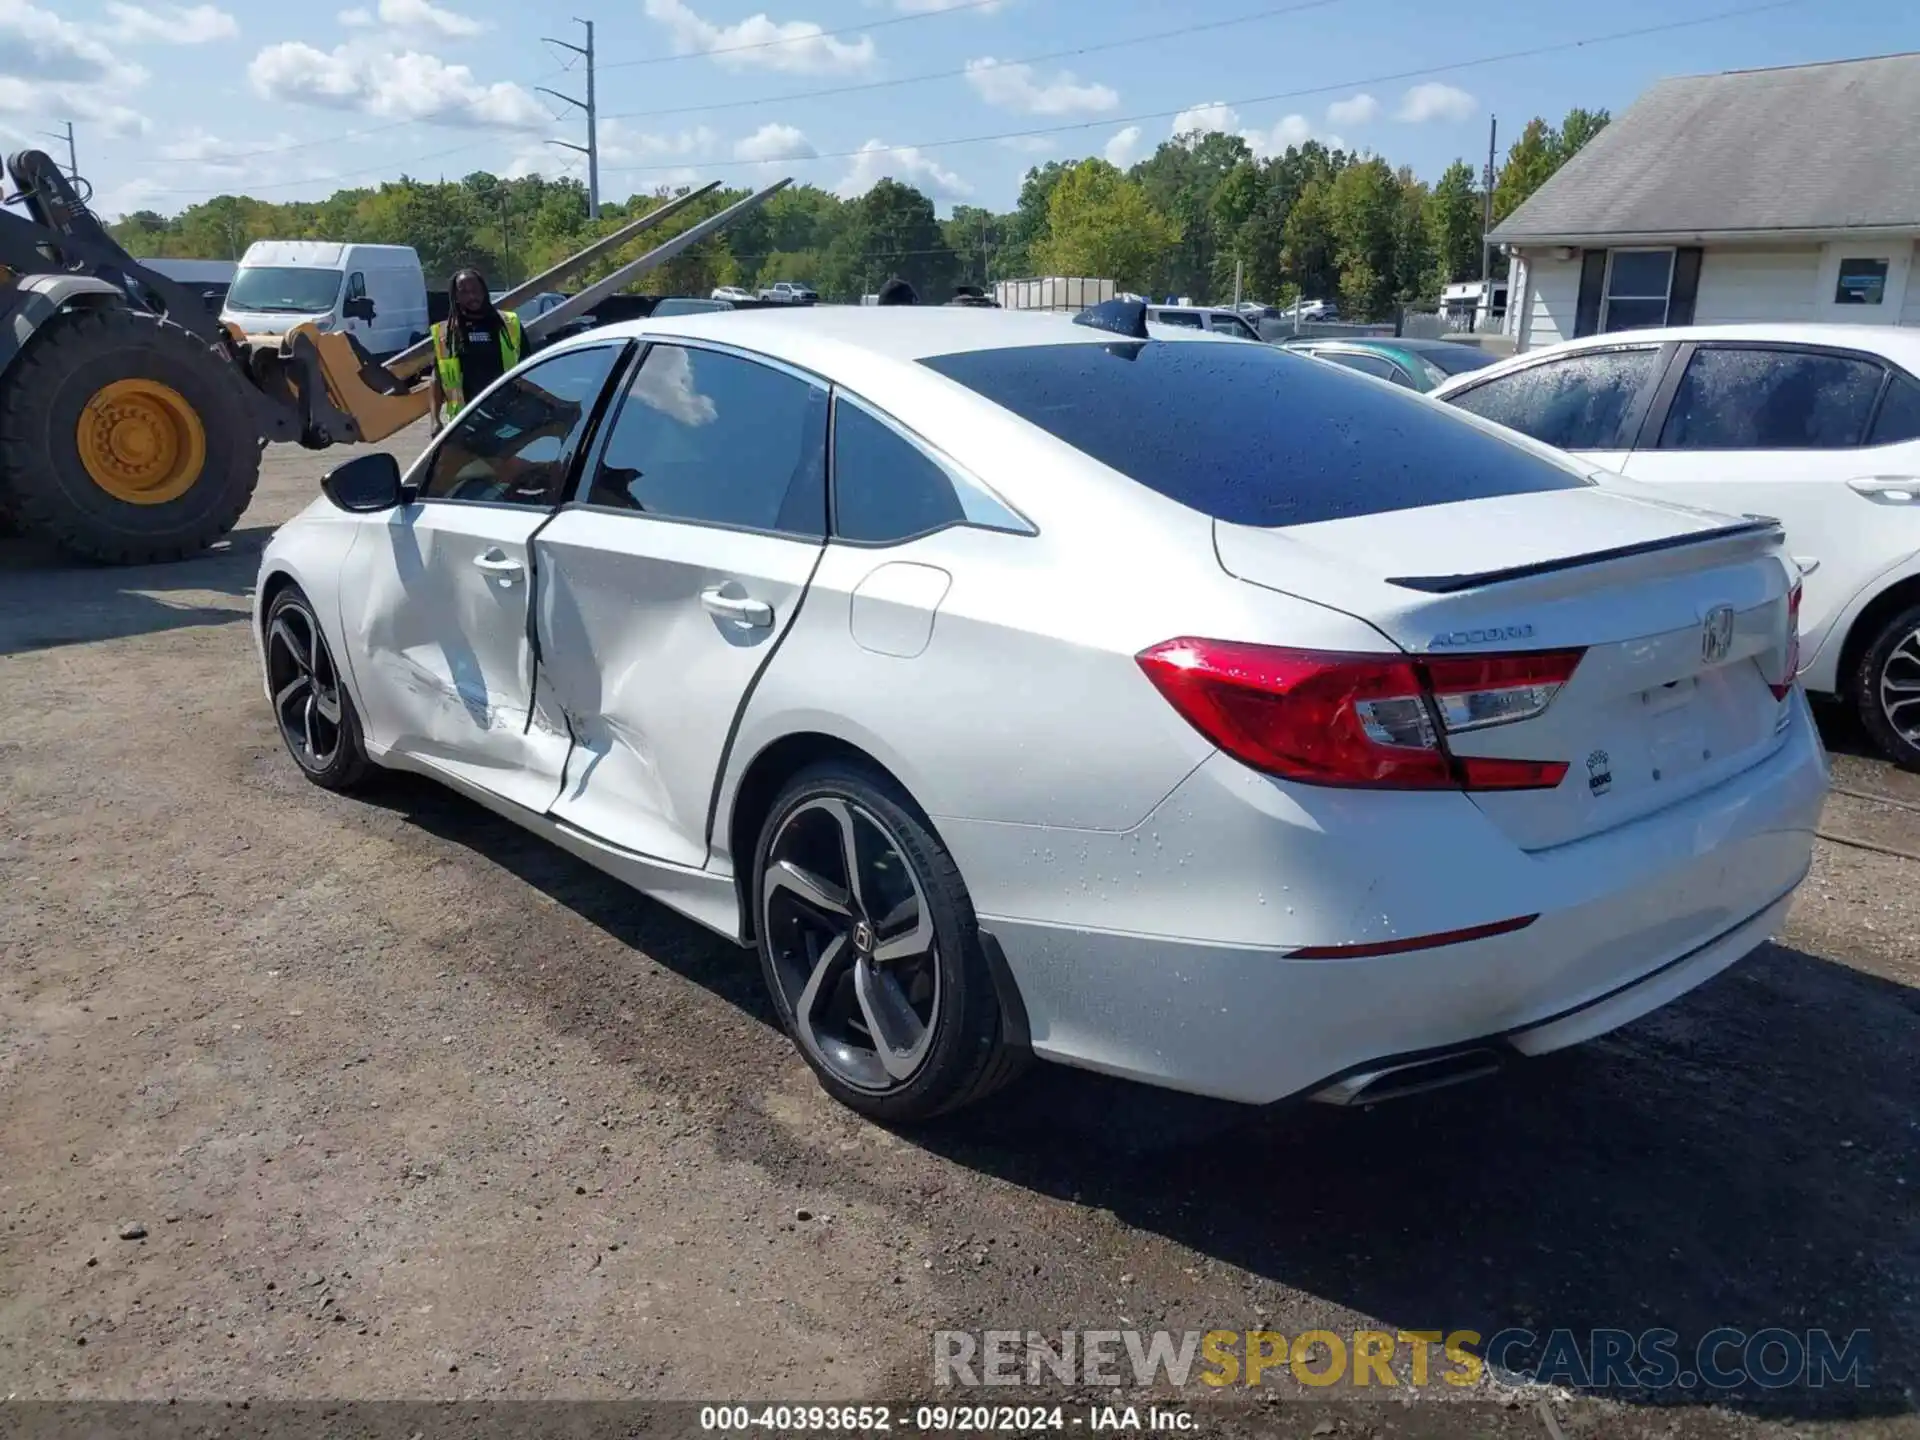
(1628, 921)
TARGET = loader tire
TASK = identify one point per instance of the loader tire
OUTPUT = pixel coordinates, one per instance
(124, 439)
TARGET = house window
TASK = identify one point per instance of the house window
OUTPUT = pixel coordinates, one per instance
(1639, 283)
(1862, 282)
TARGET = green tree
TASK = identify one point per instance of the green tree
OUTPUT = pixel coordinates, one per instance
(1538, 153)
(1027, 226)
(1101, 224)
(1364, 208)
(1578, 128)
(1414, 281)
(1453, 225)
(1310, 253)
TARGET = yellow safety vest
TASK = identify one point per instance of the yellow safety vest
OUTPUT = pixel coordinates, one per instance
(448, 364)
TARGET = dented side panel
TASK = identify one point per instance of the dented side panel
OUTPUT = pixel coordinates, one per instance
(442, 649)
(650, 672)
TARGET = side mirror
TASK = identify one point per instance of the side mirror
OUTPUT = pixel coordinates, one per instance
(359, 308)
(365, 485)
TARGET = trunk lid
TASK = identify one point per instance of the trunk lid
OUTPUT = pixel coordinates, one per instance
(1682, 615)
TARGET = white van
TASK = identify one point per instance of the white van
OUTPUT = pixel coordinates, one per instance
(375, 293)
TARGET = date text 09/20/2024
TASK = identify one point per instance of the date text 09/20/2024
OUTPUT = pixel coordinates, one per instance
(942, 1419)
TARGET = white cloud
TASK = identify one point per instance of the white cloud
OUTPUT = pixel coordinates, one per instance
(1013, 86)
(621, 144)
(1355, 110)
(210, 152)
(409, 85)
(1434, 101)
(417, 17)
(171, 24)
(52, 68)
(87, 105)
(37, 46)
(799, 46)
(1286, 132)
(774, 141)
(876, 161)
(1214, 115)
(1124, 147)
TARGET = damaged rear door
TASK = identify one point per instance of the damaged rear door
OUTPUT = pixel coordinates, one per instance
(666, 588)
(436, 594)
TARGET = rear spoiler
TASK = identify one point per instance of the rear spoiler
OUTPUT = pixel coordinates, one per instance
(1754, 525)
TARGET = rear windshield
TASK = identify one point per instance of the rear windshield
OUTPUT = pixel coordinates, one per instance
(1457, 359)
(1249, 433)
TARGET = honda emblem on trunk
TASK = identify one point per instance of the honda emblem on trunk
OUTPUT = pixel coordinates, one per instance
(1716, 634)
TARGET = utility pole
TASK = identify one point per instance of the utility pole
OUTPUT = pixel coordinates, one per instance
(1486, 217)
(1238, 266)
(73, 160)
(590, 106)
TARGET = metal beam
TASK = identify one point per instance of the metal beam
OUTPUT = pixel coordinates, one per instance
(410, 359)
(583, 303)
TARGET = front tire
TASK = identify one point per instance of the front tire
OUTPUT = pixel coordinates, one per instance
(871, 951)
(1886, 689)
(311, 706)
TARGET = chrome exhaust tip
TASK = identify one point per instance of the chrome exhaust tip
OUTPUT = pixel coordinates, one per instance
(1395, 1082)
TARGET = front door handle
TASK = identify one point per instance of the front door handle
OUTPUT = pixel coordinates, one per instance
(743, 610)
(499, 565)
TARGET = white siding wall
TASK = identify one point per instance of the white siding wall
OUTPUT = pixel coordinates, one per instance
(1740, 286)
(1556, 297)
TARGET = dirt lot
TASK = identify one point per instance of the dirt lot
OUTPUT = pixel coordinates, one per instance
(409, 1105)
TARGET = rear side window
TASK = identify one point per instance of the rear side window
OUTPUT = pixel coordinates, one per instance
(1579, 403)
(718, 439)
(1178, 317)
(1249, 433)
(1376, 365)
(1899, 417)
(1754, 399)
(885, 488)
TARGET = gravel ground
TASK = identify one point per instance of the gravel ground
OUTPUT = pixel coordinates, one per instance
(391, 1101)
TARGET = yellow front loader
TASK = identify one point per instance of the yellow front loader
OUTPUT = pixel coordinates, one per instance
(132, 420)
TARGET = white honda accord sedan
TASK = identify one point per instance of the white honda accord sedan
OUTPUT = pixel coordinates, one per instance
(1194, 712)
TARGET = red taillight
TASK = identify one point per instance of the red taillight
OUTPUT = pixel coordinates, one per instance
(1784, 687)
(1362, 720)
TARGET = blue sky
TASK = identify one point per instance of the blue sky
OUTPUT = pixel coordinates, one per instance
(176, 103)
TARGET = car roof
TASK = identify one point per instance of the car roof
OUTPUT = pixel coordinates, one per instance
(814, 337)
(1899, 344)
(1892, 340)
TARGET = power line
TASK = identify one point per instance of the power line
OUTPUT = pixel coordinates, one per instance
(1529, 53)
(1077, 50)
(464, 108)
(809, 36)
(1498, 58)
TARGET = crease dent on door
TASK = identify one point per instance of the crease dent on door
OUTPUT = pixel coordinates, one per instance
(651, 681)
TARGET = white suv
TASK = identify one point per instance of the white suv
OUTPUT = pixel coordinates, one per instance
(1817, 426)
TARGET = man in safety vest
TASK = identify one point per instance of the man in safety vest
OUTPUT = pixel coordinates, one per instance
(473, 347)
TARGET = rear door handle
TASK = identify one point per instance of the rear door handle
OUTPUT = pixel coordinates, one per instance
(501, 566)
(743, 610)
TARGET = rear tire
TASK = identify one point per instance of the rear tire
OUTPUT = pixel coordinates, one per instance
(898, 955)
(125, 439)
(1886, 689)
